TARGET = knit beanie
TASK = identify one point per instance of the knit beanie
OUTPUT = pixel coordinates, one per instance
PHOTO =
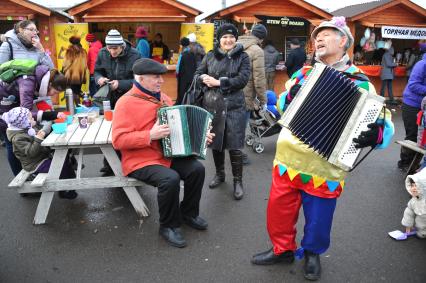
(259, 31)
(114, 38)
(17, 118)
(226, 29)
(141, 32)
(90, 37)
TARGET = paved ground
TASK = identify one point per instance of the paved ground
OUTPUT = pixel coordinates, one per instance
(97, 238)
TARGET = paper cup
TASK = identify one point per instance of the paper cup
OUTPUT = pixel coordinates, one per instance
(83, 120)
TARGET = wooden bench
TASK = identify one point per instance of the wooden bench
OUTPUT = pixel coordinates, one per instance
(420, 152)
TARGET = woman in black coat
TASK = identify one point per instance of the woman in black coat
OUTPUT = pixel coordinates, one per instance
(225, 71)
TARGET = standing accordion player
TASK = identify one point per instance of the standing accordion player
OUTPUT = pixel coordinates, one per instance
(329, 125)
(189, 126)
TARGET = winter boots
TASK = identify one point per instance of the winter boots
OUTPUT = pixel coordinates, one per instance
(236, 157)
(219, 162)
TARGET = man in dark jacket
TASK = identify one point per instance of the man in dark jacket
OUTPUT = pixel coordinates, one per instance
(296, 58)
(114, 65)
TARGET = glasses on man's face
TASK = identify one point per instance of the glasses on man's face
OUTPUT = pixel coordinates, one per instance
(32, 30)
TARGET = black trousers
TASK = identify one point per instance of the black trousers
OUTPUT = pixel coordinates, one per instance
(409, 117)
(167, 180)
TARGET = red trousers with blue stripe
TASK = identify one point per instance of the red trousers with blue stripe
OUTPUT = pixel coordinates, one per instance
(284, 203)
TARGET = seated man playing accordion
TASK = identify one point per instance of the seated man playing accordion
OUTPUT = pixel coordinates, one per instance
(136, 132)
(301, 176)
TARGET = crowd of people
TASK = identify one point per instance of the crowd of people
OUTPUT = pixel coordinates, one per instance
(234, 78)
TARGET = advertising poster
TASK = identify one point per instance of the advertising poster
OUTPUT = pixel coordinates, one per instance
(204, 33)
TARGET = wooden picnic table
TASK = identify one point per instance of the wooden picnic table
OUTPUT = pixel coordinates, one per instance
(96, 135)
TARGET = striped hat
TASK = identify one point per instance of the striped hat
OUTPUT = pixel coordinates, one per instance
(17, 118)
(114, 38)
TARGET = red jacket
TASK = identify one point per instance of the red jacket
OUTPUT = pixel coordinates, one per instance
(133, 119)
(93, 54)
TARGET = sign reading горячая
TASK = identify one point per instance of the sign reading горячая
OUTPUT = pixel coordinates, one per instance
(403, 32)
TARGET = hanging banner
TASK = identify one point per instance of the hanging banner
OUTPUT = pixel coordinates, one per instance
(283, 21)
(63, 32)
(204, 33)
(403, 32)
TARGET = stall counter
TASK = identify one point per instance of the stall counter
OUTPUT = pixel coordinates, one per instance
(398, 84)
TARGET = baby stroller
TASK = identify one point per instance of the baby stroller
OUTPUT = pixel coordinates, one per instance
(262, 123)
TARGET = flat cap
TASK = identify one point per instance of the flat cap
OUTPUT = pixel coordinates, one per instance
(145, 66)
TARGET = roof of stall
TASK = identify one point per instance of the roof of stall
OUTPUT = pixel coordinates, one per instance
(133, 11)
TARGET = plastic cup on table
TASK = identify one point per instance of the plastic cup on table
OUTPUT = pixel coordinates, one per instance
(108, 115)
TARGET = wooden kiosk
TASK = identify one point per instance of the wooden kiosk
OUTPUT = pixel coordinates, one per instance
(284, 19)
(13, 11)
(374, 15)
(157, 16)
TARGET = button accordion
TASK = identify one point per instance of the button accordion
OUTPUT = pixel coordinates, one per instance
(189, 126)
(329, 111)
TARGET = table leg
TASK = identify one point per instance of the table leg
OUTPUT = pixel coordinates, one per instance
(131, 192)
(79, 162)
(46, 197)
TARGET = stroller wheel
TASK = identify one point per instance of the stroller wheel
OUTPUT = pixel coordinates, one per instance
(249, 140)
(258, 147)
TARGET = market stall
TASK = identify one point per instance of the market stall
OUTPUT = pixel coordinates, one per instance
(157, 16)
(12, 12)
(284, 19)
(380, 25)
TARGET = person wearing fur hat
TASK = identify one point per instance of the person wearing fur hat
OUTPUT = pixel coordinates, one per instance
(415, 213)
(26, 143)
(142, 44)
(94, 47)
(301, 176)
(74, 66)
(224, 72)
(32, 92)
(23, 42)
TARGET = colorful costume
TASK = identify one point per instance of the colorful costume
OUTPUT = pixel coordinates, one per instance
(302, 177)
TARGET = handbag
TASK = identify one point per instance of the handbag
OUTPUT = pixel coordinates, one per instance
(103, 94)
(194, 94)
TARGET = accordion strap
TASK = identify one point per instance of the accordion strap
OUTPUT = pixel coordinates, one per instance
(150, 99)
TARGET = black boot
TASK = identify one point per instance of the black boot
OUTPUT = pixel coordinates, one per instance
(219, 162)
(312, 268)
(237, 170)
(268, 257)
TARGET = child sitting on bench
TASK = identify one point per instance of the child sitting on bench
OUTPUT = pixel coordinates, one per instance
(27, 147)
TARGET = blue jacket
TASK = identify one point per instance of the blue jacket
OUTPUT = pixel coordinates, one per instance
(143, 48)
(416, 87)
